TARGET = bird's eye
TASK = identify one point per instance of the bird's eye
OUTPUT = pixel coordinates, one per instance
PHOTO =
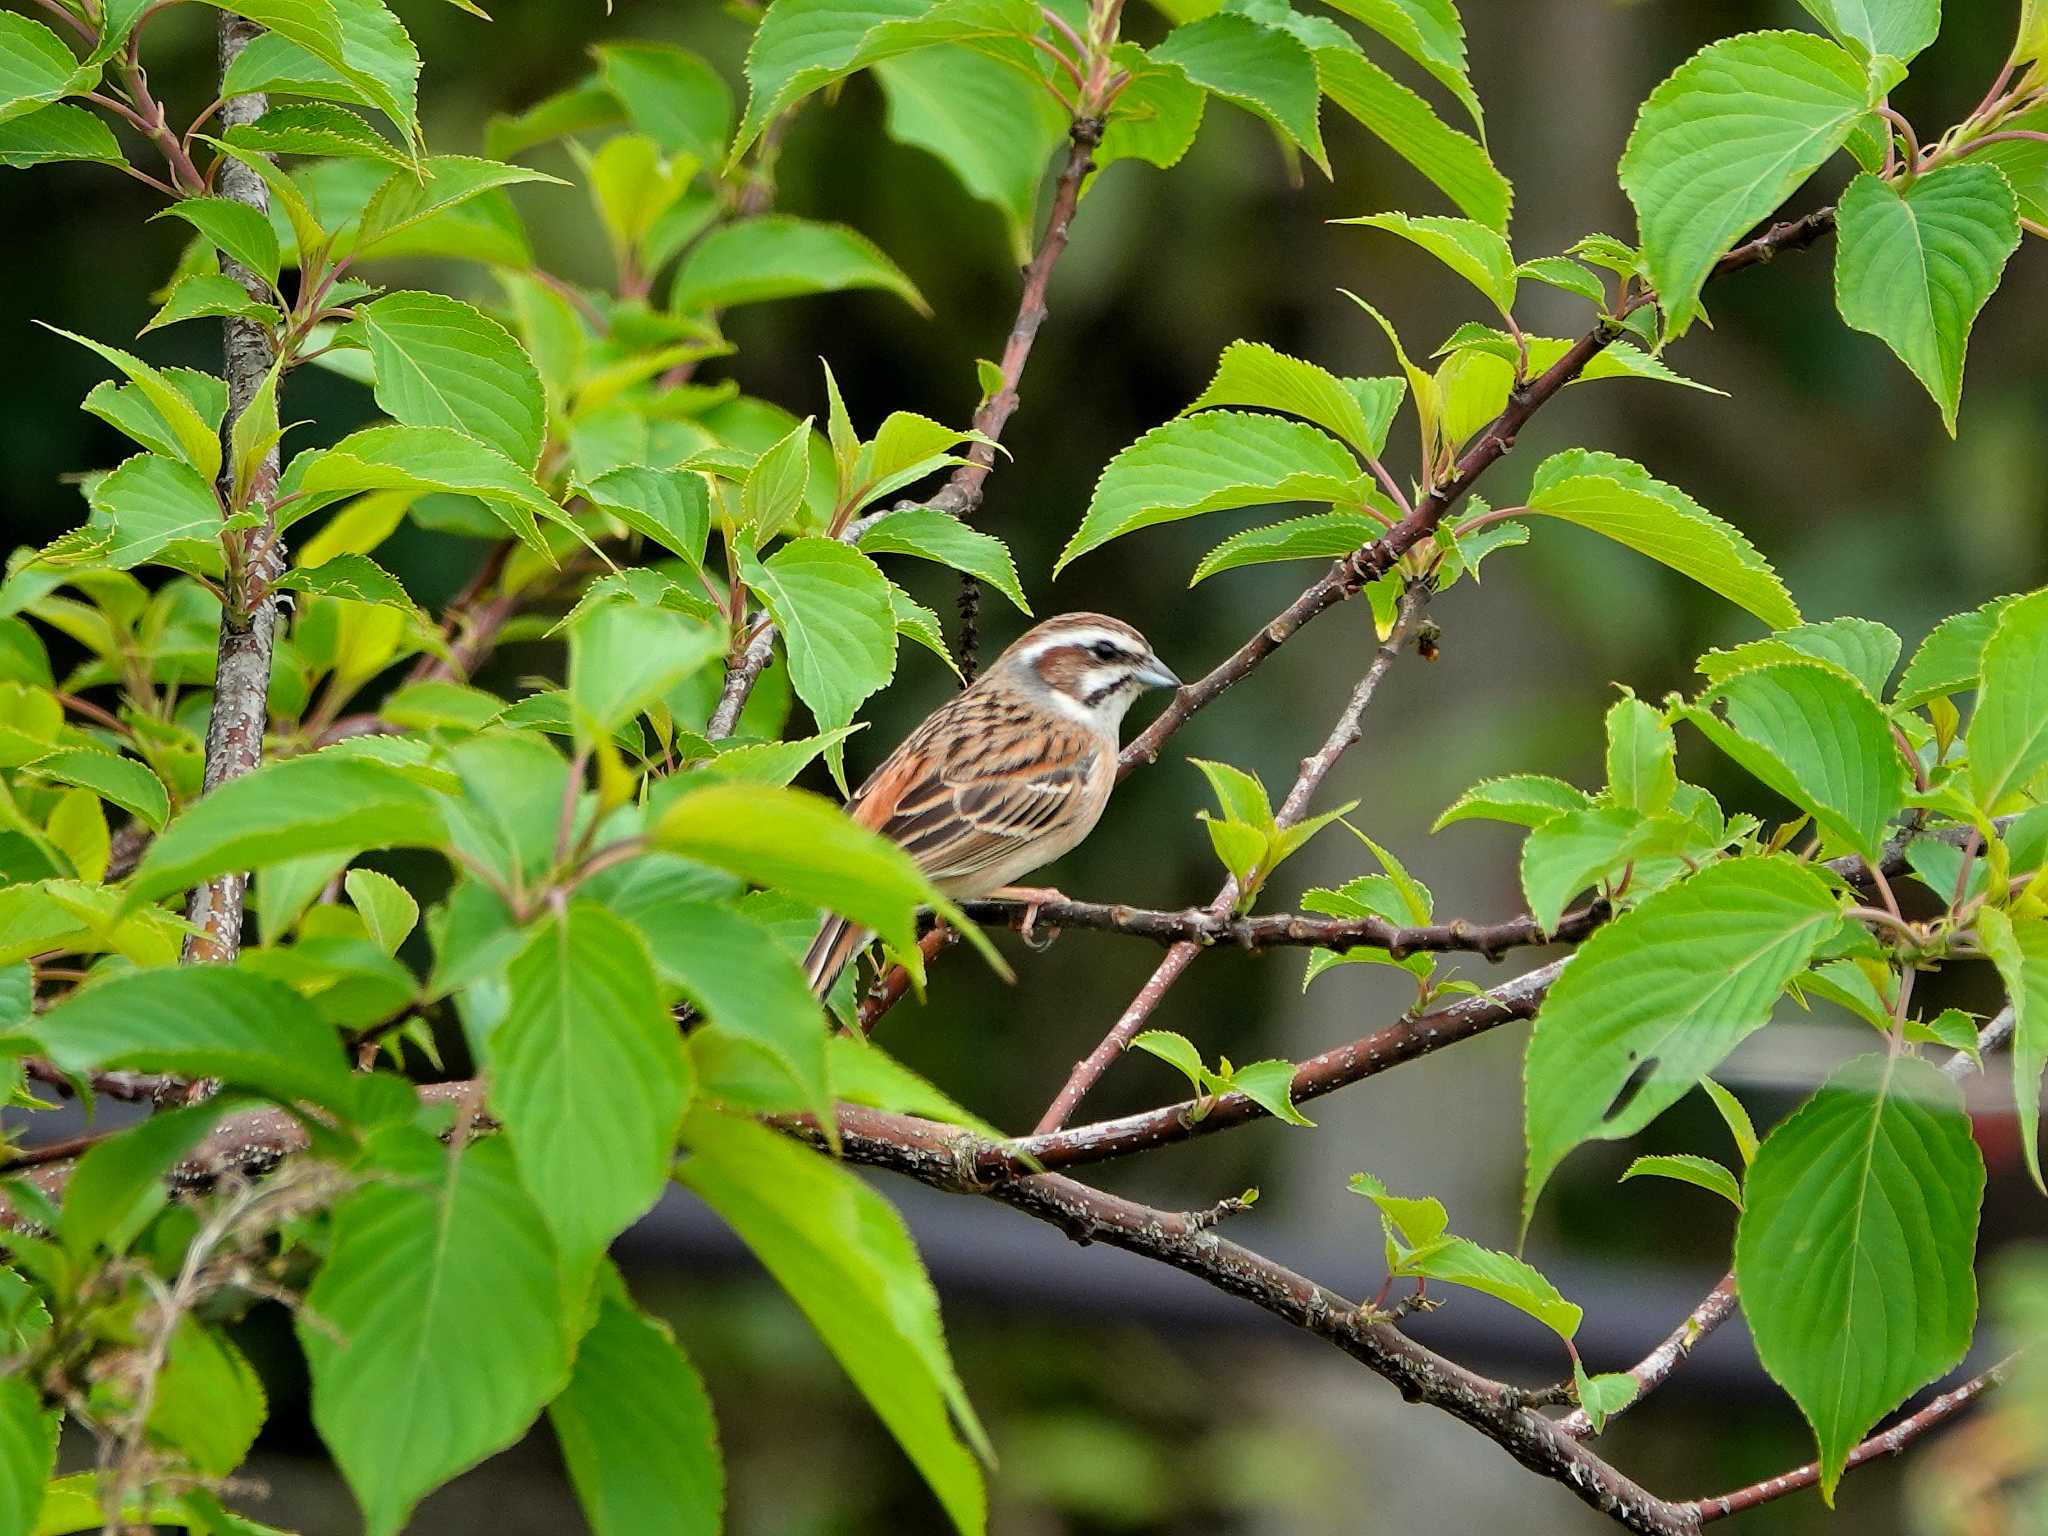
(1104, 650)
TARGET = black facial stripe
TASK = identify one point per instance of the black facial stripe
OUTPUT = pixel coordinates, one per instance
(1105, 691)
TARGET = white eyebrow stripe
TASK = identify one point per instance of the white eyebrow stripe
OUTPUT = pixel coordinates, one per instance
(1083, 636)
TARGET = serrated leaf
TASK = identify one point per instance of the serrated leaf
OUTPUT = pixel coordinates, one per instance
(1853, 1254)
(442, 363)
(1213, 462)
(1176, 1050)
(994, 127)
(445, 182)
(1722, 142)
(1642, 757)
(1456, 163)
(2019, 948)
(1914, 267)
(1900, 28)
(285, 810)
(1154, 118)
(1576, 849)
(1476, 253)
(837, 621)
(845, 1258)
(671, 94)
(35, 67)
(1620, 499)
(1816, 738)
(1735, 1117)
(1687, 1168)
(119, 780)
(933, 535)
(28, 1435)
(1525, 799)
(636, 1428)
(1320, 535)
(1430, 33)
(1269, 1084)
(1357, 410)
(625, 657)
(1951, 656)
(803, 46)
(356, 44)
(437, 1327)
(153, 509)
(58, 132)
(313, 128)
(352, 578)
(241, 233)
(197, 439)
(425, 459)
(1265, 70)
(1865, 650)
(2008, 736)
(388, 909)
(1666, 991)
(589, 1077)
(670, 506)
(778, 256)
(209, 1401)
(210, 295)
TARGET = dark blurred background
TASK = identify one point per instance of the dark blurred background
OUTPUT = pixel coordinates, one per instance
(1124, 1397)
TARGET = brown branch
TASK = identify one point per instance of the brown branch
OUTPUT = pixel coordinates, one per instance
(943, 1157)
(961, 495)
(1292, 930)
(248, 619)
(471, 624)
(1314, 769)
(1888, 1442)
(1719, 1304)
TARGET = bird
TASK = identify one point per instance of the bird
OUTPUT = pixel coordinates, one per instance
(1008, 774)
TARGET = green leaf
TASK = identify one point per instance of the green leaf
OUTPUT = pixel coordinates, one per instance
(590, 1078)
(1817, 739)
(405, 200)
(1410, 1222)
(197, 439)
(575, 110)
(35, 67)
(387, 908)
(1621, 500)
(670, 506)
(1430, 33)
(837, 621)
(1866, 651)
(2009, 732)
(1666, 990)
(1526, 799)
(2020, 951)
(625, 657)
(1210, 463)
(313, 128)
(754, 997)
(154, 509)
(438, 1325)
(1854, 1252)
(1476, 253)
(1456, 163)
(1951, 656)
(1569, 852)
(1735, 1117)
(53, 133)
(1265, 70)
(1564, 273)
(423, 459)
(805, 845)
(1176, 1050)
(1722, 142)
(802, 46)
(202, 1021)
(1270, 1084)
(1914, 267)
(1239, 795)
(353, 42)
(1689, 1169)
(209, 1401)
(119, 780)
(1155, 116)
(2024, 161)
(1900, 28)
(845, 1258)
(441, 363)
(1603, 1396)
(241, 232)
(777, 256)
(635, 1426)
(1357, 410)
(1461, 1261)
(352, 578)
(119, 1183)
(670, 94)
(773, 491)
(210, 295)
(994, 128)
(1642, 757)
(28, 1435)
(933, 535)
(285, 810)
(1319, 536)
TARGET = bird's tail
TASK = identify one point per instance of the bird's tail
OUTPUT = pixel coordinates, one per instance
(835, 947)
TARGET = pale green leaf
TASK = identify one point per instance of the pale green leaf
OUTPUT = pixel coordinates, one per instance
(778, 256)
(1456, 163)
(1320, 535)
(1687, 1168)
(933, 535)
(1525, 799)
(442, 363)
(1265, 70)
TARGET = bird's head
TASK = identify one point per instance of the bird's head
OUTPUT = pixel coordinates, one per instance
(1087, 665)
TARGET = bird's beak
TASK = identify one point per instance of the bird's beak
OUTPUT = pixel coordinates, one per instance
(1157, 674)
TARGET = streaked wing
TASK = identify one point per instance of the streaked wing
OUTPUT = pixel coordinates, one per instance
(981, 777)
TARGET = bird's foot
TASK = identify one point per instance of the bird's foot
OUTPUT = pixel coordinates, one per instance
(1033, 897)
